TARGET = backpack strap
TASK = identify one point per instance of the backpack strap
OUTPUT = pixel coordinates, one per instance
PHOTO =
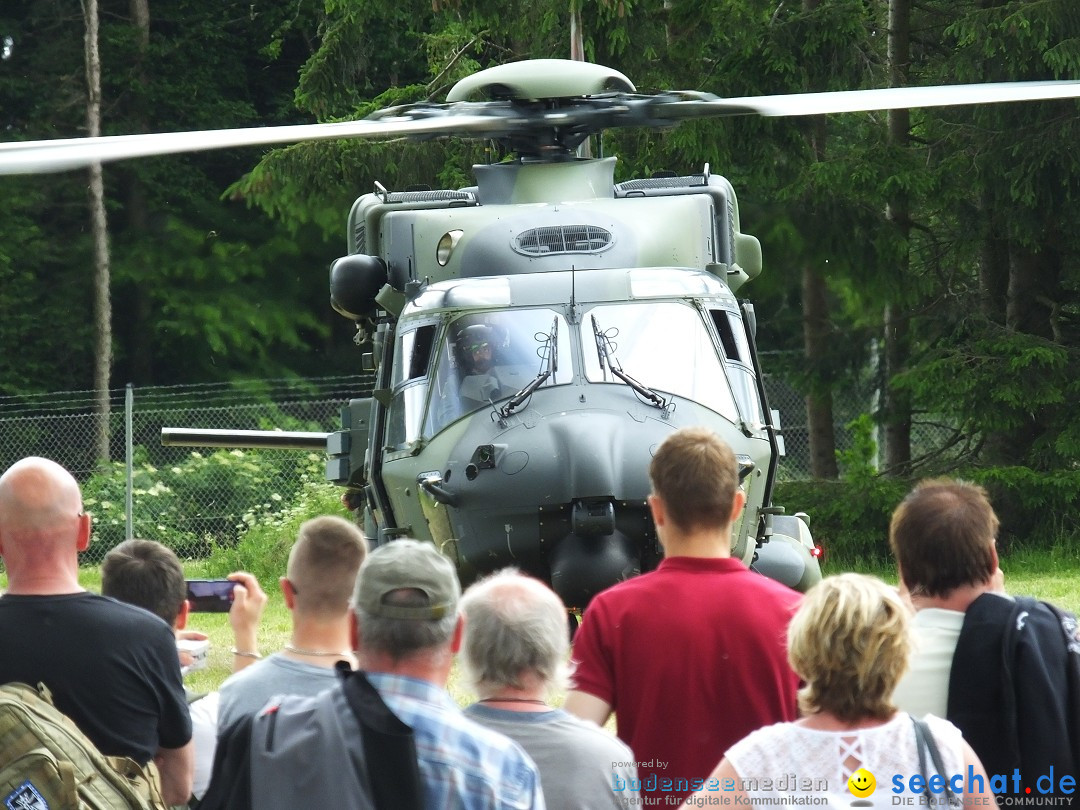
(388, 744)
(926, 743)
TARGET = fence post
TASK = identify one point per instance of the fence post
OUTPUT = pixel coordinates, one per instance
(129, 461)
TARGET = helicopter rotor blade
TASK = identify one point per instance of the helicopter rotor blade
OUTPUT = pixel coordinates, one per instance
(33, 157)
(504, 119)
(888, 98)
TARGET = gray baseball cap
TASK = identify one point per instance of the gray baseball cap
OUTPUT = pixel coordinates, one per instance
(407, 563)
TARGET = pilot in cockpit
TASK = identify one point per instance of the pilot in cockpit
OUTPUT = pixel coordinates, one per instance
(478, 347)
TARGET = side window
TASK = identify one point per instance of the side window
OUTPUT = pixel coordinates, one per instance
(738, 364)
(414, 354)
(411, 363)
(732, 336)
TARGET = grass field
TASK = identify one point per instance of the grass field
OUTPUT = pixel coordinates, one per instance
(1050, 575)
(1047, 575)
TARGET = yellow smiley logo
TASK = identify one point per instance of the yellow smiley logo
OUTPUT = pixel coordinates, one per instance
(861, 783)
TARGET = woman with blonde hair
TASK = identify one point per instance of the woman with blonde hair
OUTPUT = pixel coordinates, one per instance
(849, 642)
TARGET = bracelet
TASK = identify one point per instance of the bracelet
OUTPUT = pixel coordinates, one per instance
(244, 654)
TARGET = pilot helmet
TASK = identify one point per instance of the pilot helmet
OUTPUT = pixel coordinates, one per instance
(475, 337)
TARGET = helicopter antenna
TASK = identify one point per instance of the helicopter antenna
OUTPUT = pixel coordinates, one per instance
(573, 316)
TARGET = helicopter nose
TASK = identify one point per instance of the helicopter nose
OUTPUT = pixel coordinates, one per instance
(604, 467)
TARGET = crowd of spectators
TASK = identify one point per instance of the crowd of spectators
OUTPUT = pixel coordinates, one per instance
(725, 687)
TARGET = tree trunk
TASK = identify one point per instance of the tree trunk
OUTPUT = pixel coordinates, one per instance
(819, 404)
(1034, 295)
(993, 267)
(577, 38)
(577, 53)
(100, 231)
(896, 403)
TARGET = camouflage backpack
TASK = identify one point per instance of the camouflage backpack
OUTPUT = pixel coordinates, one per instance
(46, 763)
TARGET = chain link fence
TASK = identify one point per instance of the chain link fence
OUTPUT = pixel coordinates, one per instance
(929, 435)
(185, 497)
(190, 497)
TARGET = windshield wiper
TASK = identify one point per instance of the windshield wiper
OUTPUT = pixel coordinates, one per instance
(550, 352)
(606, 352)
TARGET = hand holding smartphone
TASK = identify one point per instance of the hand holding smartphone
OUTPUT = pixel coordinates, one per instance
(210, 595)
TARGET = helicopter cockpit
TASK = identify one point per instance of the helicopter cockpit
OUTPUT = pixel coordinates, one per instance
(470, 362)
(463, 347)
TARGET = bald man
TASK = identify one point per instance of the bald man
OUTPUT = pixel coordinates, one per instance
(111, 667)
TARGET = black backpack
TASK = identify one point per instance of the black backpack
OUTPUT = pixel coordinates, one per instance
(283, 755)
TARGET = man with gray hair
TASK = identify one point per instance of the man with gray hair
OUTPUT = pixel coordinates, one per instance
(387, 736)
(406, 631)
(515, 651)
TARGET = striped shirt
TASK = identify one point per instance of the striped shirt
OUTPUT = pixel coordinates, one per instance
(462, 764)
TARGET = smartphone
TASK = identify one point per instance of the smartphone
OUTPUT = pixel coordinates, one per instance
(210, 595)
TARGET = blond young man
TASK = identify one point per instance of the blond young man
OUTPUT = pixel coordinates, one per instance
(691, 656)
(317, 588)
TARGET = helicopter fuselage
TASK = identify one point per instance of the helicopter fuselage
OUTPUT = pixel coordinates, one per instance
(624, 293)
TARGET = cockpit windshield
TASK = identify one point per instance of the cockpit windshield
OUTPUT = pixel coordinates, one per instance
(491, 356)
(666, 347)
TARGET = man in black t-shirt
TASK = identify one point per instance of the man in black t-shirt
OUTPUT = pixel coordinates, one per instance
(111, 667)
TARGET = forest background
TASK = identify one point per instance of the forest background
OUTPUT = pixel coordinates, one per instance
(936, 251)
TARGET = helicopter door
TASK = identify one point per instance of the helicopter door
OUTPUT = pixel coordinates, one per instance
(740, 366)
(412, 359)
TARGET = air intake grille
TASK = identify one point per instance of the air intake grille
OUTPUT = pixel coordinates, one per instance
(663, 182)
(429, 196)
(562, 239)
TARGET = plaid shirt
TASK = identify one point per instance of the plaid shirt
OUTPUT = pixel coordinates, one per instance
(462, 764)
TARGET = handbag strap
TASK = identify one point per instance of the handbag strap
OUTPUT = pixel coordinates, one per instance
(924, 739)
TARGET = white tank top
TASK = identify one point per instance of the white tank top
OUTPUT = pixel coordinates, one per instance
(810, 768)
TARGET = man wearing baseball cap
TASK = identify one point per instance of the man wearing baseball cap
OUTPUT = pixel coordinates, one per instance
(388, 736)
(407, 629)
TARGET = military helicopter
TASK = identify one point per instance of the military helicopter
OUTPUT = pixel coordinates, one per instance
(535, 336)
